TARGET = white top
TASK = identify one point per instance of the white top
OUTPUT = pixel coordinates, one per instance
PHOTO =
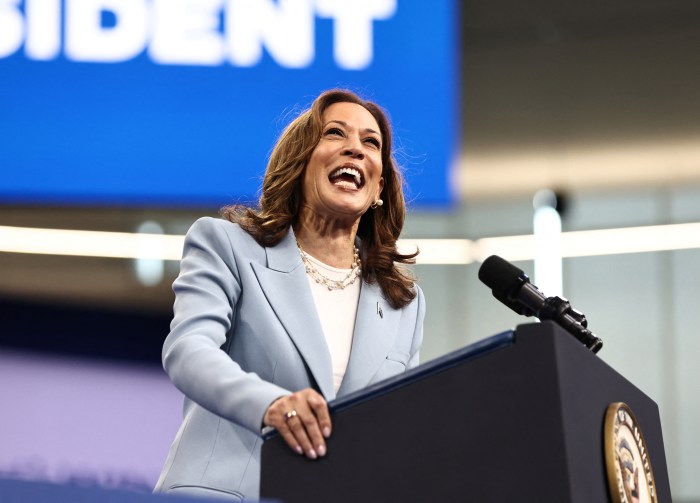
(336, 310)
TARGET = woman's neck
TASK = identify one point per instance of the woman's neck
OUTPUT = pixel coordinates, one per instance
(327, 241)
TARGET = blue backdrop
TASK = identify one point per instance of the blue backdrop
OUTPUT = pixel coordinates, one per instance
(77, 129)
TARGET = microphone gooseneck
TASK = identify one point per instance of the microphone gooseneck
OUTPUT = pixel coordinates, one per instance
(512, 287)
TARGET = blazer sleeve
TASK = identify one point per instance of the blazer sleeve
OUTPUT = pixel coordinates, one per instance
(414, 358)
(206, 294)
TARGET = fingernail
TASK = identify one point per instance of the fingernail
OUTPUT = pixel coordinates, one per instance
(321, 450)
(299, 449)
(326, 432)
(312, 454)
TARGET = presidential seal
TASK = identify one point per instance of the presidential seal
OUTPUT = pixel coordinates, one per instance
(630, 478)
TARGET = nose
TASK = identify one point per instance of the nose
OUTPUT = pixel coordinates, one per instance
(353, 148)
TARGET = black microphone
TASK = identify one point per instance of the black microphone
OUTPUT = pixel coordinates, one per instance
(512, 287)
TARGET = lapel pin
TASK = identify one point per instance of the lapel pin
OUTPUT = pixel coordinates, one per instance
(379, 311)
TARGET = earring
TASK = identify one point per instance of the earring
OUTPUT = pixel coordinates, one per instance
(376, 204)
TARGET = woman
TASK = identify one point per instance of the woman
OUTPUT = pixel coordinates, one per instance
(281, 309)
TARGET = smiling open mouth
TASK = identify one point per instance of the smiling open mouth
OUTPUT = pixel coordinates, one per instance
(347, 175)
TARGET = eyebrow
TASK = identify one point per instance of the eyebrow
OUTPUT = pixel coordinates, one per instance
(345, 124)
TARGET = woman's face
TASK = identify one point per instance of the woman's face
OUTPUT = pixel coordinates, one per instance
(344, 173)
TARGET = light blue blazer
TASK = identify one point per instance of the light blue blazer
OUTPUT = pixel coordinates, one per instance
(245, 332)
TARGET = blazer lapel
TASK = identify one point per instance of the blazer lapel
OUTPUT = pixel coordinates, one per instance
(375, 331)
(286, 287)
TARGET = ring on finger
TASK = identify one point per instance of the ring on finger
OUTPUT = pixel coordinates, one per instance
(289, 415)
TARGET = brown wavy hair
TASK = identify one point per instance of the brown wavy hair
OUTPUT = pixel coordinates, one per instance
(281, 198)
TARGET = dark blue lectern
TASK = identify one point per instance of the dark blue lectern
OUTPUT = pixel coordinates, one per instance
(517, 417)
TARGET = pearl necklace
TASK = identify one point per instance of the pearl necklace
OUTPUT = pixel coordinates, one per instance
(333, 284)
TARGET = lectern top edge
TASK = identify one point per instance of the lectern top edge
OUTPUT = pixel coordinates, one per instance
(457, 357)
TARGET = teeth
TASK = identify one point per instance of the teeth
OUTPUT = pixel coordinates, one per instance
(348, 171)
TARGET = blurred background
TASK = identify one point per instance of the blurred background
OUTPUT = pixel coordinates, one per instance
(562, 135)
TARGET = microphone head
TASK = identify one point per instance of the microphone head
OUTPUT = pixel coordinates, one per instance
(504, 280)
(500, 275)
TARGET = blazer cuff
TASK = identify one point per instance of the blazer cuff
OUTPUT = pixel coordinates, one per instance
(265, 393)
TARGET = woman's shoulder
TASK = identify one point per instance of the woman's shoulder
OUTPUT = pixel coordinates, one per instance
(215, 226)
(418, 302)
(222, 230)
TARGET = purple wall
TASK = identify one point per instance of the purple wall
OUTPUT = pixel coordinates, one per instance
(74, 420)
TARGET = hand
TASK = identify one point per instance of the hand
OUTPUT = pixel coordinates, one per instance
(303, 420)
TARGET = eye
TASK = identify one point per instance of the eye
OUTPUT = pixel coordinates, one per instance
(373, 141)
(334, 131)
